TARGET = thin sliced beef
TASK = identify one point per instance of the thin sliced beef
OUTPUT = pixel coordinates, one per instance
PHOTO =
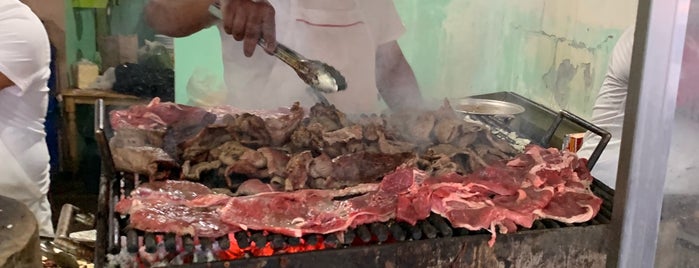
(163, 207)
(301, 212)
(571, 207)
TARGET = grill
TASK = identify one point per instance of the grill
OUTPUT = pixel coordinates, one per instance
(430, 243)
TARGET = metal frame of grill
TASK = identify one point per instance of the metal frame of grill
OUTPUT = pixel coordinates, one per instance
(382, 244)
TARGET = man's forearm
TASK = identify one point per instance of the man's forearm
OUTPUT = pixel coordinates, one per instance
(395, 78)
(178, 18)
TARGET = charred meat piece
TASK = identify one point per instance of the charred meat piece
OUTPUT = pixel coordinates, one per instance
(357, 168)
(249, 130)
(394, 147)
(343, 135)
(150, 161)
(276, 160)
(136, 137)
(194, 172)
(297, 171)
(198, 148)
(328, 116)
(415, 126)
(280, 128)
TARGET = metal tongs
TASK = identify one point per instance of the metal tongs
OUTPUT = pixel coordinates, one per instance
(317, 74)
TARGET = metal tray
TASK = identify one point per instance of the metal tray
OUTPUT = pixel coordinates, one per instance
(486, 107)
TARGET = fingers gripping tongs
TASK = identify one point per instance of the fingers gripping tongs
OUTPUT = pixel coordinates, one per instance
(319, 75)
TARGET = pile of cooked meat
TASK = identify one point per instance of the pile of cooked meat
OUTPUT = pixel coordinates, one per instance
(294, 148)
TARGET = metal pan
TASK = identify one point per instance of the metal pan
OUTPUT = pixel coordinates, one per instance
(486, 107)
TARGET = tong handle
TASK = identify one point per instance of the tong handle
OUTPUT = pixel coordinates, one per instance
(287, 55)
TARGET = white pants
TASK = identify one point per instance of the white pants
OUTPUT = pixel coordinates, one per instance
(42, 211)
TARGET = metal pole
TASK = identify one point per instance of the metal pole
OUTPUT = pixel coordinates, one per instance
(645, 144)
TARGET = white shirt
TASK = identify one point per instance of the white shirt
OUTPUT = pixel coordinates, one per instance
(24, 59)
(343, 33)
(608, 112)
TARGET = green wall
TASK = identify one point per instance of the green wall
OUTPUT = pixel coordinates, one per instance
(125, 18)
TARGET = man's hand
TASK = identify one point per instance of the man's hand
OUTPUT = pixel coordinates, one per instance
(248, 21)
(5, 82)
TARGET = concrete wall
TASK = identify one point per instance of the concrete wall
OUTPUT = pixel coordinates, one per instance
(554, 51)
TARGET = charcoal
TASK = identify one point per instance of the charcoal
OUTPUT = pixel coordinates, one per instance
(242, 239)
(277, 241)
(397, 232)
(427, 228)
(380, 230)
(311, 239)
(462, 231)
(441, 225)
(205, 243)
(149, 241)
(132, 241)
(171, 243)
(363, 233)
(539, 225)
(349, 236)
(331, 240)
(260, 239)
(224, 242)
(293, 241)
(414, 231)
(188, 243)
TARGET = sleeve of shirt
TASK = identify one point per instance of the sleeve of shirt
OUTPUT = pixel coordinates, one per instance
(24, 52)
(383, 20)
(620, 61)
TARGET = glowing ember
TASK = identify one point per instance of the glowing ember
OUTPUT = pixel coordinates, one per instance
(235, 252)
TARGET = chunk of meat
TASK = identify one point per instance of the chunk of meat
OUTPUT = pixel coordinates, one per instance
(281, 127)
(362, 167)
(253, 187)
(276, 160)
(297, 171)
(150, 161)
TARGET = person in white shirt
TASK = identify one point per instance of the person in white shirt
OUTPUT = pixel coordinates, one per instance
(24, 73)
(357, 37)
(608, 112)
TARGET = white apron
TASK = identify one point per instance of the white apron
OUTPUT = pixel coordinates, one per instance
(333, 31)
(24, 157)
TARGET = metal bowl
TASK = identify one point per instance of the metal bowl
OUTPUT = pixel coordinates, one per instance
(486, 107)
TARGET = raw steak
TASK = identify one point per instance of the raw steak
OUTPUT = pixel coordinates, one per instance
(164, 207)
